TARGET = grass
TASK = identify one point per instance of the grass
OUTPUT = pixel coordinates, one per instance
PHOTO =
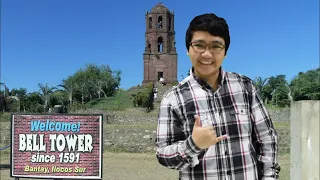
(273, 107)
(279, 125)
(117, 159)
(120, 101)
(5, 152)
(131, 126)
(5, 117)
(284, 161)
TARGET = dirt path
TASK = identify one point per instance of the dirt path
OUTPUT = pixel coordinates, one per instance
(134, 166)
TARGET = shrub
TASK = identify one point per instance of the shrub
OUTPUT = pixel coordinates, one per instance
(76, 106)
(144, 98)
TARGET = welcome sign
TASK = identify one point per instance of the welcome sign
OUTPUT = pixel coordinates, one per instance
(56, 146)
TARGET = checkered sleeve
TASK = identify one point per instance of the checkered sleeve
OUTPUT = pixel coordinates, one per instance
(174, 149)
(266, 137)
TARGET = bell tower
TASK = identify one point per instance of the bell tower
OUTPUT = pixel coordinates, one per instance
(160, 56)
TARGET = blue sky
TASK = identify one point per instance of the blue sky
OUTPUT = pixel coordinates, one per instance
(45, 41)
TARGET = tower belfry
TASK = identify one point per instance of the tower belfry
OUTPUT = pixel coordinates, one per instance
(160, 56)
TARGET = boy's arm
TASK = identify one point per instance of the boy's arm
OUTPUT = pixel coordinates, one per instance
(266, 137)
(174, 149)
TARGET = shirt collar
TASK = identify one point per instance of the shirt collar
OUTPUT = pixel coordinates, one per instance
(221, 78)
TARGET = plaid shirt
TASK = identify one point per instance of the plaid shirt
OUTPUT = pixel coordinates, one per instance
(235, 109)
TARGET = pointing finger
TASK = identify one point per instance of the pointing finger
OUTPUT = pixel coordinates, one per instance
(220, 138)
(197, 121)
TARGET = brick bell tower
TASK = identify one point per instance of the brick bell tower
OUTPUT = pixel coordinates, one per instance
(160, 55)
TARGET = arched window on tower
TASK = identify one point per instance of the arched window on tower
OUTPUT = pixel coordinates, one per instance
(160, 44)
(150, 22)
(159, 25)
(169, 26)
(149, 47)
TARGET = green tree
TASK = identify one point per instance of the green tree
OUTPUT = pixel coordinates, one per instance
(68, 86)
(4, 92)
(92, 82)
(306, 85)
(112, 79)
(59, 97)
(259, 83)
(144, 98)
(276, 91)
(82, 84)
(33, 103)
(45, 94)
(21, 94)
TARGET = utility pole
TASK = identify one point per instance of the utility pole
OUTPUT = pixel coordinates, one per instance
(4, 84)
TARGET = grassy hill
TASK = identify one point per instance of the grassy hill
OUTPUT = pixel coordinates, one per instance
(120, 101)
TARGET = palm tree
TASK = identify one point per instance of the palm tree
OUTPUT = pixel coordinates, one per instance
(68, 88)
(259, 82)
(3, 100)
(6, 90)
(45, 92)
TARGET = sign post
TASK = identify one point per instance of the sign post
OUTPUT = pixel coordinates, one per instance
(59, 146)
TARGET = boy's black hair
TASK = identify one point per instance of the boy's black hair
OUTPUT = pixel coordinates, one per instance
(210, 23)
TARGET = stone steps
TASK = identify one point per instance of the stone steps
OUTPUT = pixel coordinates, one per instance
(161, 91)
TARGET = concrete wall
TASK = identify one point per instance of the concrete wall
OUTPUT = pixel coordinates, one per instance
(304, 154)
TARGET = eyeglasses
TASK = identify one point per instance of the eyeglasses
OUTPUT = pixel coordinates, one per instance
(201, 47)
